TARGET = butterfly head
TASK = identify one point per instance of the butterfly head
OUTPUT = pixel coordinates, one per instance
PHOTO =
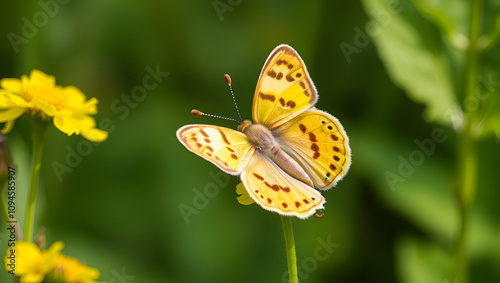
(244, 125)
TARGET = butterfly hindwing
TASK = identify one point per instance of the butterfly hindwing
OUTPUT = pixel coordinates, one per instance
(226, 148)
(275, 190)
(319, 143)
(284, 88)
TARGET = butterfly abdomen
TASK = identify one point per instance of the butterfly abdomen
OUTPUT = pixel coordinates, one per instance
(263, 140)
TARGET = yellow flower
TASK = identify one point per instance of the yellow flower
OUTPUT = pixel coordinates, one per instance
(72, 270)
(38, 94)
(33, 265)
(244, 197)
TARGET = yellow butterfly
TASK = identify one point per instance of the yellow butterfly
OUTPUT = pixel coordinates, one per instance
(290, 147)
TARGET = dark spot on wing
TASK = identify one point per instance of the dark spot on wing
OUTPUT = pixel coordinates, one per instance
(224, 138)
(269, 97)
(272, 74)
(312, 137)
(285, 189)
(302, 128)
(315, 147)
(258, 176)
(203, 133)
(291, 104)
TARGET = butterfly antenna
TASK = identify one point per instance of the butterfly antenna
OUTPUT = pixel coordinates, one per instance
(228, 81)
(196, 112)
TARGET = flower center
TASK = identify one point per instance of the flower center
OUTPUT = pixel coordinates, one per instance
(49, 94)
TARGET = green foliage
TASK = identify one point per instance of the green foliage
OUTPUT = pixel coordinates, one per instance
(443, 55)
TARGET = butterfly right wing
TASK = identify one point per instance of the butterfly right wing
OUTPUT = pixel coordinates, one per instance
(226, 148)
(319, 143)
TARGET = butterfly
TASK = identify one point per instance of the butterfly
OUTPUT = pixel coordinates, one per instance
(290, 148)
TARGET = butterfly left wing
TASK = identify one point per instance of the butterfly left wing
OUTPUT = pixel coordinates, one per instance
(275, 190)
(226, 148)
(318, 142)
(284, 88)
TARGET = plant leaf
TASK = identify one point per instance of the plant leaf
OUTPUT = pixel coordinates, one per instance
(416, 57)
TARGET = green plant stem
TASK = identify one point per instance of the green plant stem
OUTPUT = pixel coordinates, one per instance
(39, 137)
(290, 249)
(467, 149)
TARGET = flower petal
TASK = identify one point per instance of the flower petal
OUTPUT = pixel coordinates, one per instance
(48, 109)
(32, 277)
(66, 125)
(40, 78)
(29, 255)
(11, 84)
(51, 255)
(9, 99)
(8, 127)
(11, 113)
(95, 135)
(74, 95)
(83, 121)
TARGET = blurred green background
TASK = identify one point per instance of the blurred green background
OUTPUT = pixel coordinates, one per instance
(118, 205)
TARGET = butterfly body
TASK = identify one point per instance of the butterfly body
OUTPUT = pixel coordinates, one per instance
(260, 137)
(289, 149)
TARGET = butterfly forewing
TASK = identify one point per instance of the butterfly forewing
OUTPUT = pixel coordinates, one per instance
(226, 148)
(319, 143)
(284, 88)
(275, 190)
